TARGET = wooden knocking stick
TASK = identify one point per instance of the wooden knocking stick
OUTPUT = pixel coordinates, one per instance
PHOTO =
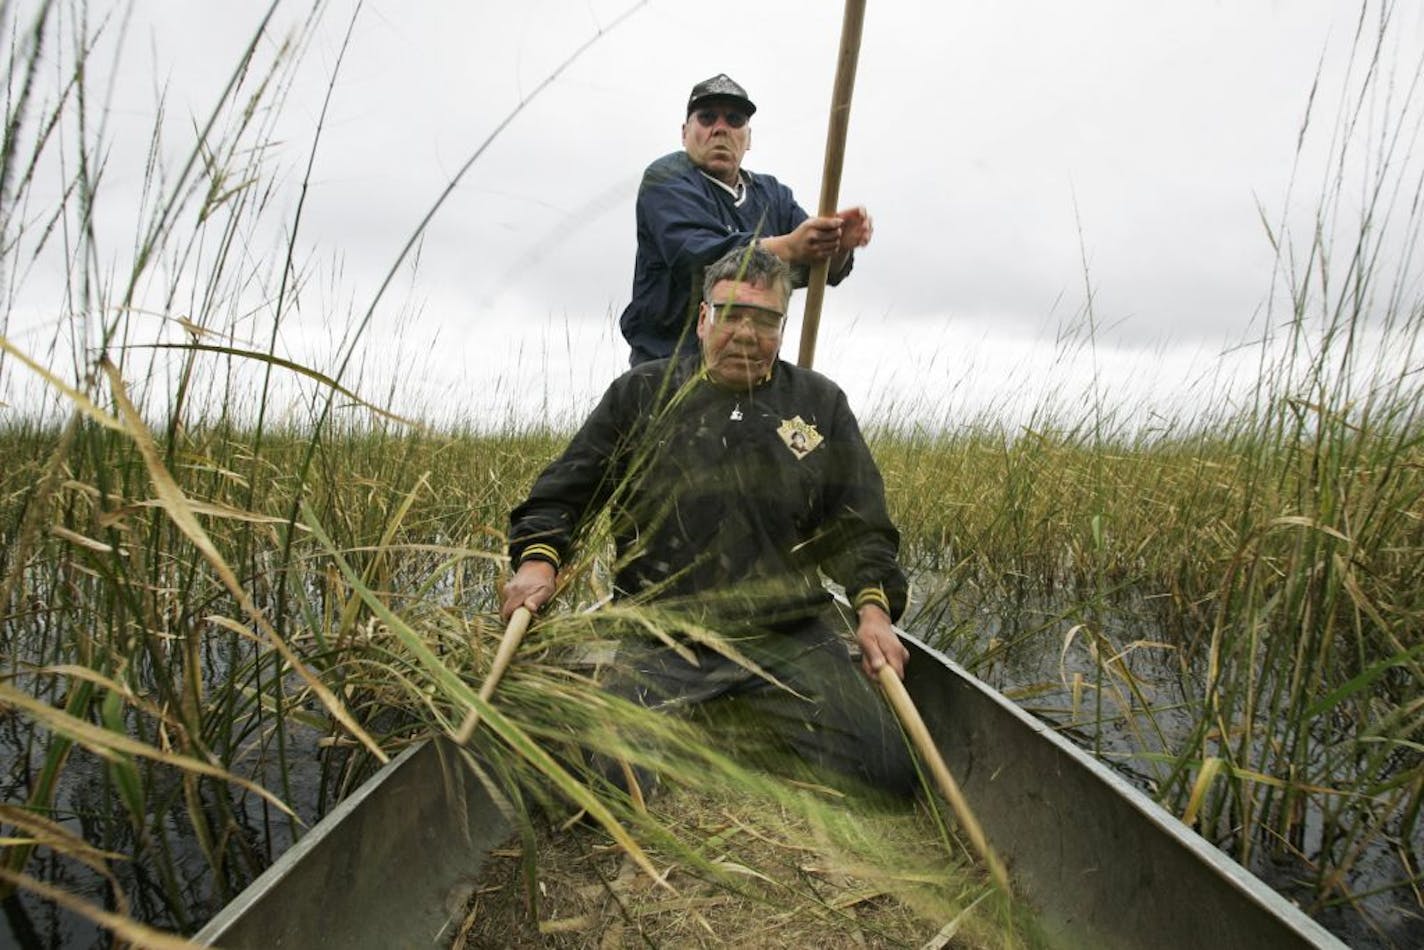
(924, 743)
(518, 624)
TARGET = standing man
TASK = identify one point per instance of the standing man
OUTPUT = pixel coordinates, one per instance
(733, 479)
(697, 204)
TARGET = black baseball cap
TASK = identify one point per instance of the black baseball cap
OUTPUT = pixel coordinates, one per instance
(720, 86)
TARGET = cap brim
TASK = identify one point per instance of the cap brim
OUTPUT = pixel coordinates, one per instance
(745, 104)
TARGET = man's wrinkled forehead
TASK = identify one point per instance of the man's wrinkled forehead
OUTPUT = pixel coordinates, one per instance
(742, 293)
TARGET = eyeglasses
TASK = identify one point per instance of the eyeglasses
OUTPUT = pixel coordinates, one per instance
(735, 118)
(731, 316)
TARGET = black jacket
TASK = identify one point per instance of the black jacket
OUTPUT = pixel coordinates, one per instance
(722, 501)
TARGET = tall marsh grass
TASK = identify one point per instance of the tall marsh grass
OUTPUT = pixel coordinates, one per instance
(224, 599)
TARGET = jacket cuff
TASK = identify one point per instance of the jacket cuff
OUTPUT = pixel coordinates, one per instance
(872, 595)
(540, 552)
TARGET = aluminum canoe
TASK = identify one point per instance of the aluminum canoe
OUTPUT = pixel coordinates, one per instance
(395, 864)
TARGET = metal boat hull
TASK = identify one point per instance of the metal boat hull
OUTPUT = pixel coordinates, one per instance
(1102, 864)
(393, 865)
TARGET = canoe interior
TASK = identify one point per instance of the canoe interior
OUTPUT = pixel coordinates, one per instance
(1103, 865)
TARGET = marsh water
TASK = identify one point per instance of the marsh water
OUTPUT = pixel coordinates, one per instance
(1043, 655)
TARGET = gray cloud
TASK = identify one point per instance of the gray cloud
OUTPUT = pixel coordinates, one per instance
(998, 146)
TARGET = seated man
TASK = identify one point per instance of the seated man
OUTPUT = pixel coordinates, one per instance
(733, 478)
(697, 204)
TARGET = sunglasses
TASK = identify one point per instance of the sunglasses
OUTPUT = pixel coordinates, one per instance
(733, 316)
(735, 118)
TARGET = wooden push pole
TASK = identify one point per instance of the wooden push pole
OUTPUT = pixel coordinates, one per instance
(831, 173)
(895, 692)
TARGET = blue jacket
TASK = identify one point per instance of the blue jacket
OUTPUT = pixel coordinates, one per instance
(686, 222)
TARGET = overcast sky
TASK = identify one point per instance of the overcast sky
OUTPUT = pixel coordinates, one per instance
(1013, 155)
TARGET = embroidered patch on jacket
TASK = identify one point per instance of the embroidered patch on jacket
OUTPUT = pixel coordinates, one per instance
(800, 436)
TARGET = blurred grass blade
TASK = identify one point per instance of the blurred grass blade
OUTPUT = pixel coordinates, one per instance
(271, 359)
(1205, 776)
(104, 743)
(463, 696)
(80, 401)
(122, 926)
